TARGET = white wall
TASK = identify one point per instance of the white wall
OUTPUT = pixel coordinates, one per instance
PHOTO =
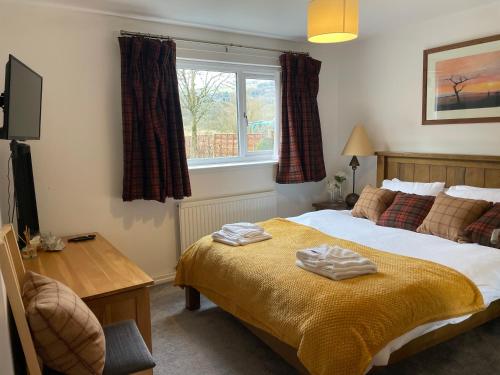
(380, 85)
(78, 161)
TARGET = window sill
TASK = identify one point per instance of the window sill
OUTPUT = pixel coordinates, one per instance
(231, 165)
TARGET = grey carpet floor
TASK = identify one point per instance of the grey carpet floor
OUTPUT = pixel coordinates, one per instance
(212, 342)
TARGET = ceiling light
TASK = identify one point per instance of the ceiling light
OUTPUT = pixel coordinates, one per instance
(332, 21)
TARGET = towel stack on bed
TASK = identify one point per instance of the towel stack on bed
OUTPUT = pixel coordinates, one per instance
(240, 234)
(334, 262)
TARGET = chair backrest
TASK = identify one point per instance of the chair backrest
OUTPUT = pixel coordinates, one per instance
(11, 264)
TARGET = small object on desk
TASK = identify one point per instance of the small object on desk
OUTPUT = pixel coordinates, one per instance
(50, 242)
(30, 250)
(339, 206)
(87, 237)
(27, 235)
(35, 241)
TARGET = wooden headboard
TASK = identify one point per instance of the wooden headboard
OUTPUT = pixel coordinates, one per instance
(473, 170)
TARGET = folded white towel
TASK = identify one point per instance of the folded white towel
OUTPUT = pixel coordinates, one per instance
(340, 265)
(248, 240)
(326, 252)
(336, 275)
(225, 237)
(242, 225)
(236, 240)
(334, 262)
(243, 229)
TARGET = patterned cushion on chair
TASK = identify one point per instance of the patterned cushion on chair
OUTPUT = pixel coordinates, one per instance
(449, 216)
(481, 230)
(373, 202)
(67, 335)
(407, 211)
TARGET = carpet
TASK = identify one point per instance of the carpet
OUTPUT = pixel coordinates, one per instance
(211, 342)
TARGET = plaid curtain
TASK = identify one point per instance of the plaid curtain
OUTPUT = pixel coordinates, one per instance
(301, 148)
(155, 165)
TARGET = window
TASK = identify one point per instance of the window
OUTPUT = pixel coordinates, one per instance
(230, 112)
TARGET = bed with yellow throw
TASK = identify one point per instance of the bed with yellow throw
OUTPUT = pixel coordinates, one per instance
(336, 327)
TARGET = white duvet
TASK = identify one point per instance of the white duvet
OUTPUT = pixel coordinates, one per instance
(479, 263)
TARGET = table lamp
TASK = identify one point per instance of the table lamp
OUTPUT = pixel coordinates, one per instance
(357, 145)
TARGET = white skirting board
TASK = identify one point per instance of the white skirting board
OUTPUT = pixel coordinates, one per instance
(163, 279)
(199, 218)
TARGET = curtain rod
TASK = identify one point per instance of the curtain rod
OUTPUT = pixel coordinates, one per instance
(166, 37)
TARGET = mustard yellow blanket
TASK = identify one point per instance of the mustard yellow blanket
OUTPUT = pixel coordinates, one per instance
(336, 326)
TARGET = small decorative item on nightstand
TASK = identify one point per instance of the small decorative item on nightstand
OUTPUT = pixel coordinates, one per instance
(334, 187)
(330, 186)
(339, 178)
(339, 206)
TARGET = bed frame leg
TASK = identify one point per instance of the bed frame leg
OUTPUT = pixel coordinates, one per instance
(192, 298)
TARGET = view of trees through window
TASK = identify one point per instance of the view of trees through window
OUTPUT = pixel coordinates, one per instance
(261, 113)
(210, 113)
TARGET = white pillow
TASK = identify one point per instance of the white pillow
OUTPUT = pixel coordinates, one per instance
(419, 188)
(472, 192)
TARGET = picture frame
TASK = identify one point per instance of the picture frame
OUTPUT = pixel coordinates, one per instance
(461, 82)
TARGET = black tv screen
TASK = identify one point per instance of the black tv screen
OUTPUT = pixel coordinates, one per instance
(22, 101)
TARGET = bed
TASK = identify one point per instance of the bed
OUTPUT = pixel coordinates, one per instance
(477, 263)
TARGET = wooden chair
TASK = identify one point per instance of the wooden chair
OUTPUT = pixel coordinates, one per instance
(126, 352)
(13, 272)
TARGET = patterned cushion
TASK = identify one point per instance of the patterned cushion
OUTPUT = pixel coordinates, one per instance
(67, 335)
(449, 216)
(373, 202)
(407, 211)
(481, 230)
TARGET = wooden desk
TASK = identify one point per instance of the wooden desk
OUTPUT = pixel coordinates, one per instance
(112, 285)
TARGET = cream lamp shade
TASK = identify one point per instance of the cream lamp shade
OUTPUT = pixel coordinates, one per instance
(358, 144)
(332, 21)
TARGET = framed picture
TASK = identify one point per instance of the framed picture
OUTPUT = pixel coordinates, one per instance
(462, 83)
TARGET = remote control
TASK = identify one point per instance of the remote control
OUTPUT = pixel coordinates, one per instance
(87, 237)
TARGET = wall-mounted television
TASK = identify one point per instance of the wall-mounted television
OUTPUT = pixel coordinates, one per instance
(22, 102)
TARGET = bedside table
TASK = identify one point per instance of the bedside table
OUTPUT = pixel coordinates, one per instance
(330, 206)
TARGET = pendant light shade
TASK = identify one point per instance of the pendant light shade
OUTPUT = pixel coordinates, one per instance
(332, 21)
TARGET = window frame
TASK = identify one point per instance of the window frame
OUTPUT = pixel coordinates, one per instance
(243, 72)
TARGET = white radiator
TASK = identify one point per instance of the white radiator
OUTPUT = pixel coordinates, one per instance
(197, 219)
